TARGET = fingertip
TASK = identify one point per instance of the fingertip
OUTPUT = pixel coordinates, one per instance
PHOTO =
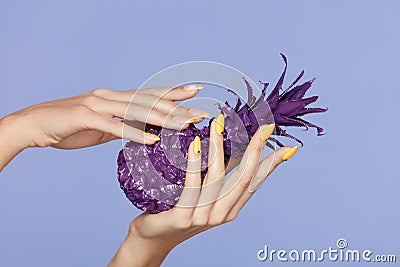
(217, 127)
(266, 131)
(220, 124)
(148, 143)
(182, 93)
(198, 113)
(278, 154)
(139, 137)
(198, 120)
(149, 138)
(289, 153)
(183, 120)
(181, 127)
(192, 87)
(194, 150)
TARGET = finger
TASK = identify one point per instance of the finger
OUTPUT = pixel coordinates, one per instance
(191, 191)
(85, 139)
(92, 120)
(152, 116)
(265, 168)
(136, 112)
(232, 163)
(216, 165)
(174, 94)
(112, 108)
(216, 172)
(240, 179)
(166, 106)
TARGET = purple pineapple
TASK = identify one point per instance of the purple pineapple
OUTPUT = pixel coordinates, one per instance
(152, 177)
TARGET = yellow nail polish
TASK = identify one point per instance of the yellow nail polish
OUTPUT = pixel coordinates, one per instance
(199, 113)
(220, 124)
(197, 145)
(192, 87)
(290, 153)
(267, 131)
(151, 137)
(206, 114)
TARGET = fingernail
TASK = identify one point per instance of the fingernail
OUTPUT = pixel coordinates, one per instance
(198, 113)
(197, 145)
(192, 87)
(290, 153)
(219, 124)
(151, 137)
(182, 120)
(267, 131)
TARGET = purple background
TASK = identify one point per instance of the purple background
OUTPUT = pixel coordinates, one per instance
(64, 208)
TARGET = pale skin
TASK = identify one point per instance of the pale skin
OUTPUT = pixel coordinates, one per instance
(89, 120)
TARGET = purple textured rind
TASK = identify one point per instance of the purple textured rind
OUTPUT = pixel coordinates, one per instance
(152, 177)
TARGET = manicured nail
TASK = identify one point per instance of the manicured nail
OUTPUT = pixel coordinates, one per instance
(151, 137)
(197, 145)
(255, 184)
(290, 153)
(267, 131)
(219, 124)
(199, 113)
(192, 87)
(182, 120)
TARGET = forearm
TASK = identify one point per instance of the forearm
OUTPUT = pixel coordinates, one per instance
(12, 139)
(137, 252)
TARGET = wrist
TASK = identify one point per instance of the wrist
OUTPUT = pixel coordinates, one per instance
(12, 139)
(137, 251)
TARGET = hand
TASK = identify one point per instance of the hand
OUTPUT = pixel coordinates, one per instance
(96, 117)
(201, 206)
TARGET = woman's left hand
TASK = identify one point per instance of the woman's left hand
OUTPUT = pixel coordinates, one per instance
(96, 117)
(201, 205)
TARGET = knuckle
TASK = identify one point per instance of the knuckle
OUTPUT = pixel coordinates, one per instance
(89, 100)
(81, 110)
(132, 111)
(161, 119)
(99, 91)
(122, 107)
(133, 108)
(200, 222)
